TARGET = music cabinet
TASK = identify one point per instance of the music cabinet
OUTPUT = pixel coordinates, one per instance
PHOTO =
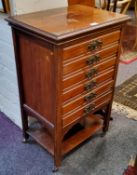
(66, 61)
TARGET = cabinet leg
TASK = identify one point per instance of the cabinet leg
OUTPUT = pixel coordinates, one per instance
(104, 113)
(57, 162)
(103, 134)
(107, 118)
(25, 139)
(55, 169)
(57, 158)
(25, 126)
(111, 118)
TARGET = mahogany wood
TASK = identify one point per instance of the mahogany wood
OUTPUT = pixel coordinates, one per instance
(87, 74)
(55, 75)
(82, 59)
(83, 135)
(81, 48)
(84, 71)
(77, 114)
(81, 99)
(76, 20)
(85, 2)
(42, 136)
(80, 88)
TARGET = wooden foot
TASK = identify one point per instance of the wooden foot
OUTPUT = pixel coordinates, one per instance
(24, 140)
(103, 134)
(105, 129)
(111, 118)
(55, 169)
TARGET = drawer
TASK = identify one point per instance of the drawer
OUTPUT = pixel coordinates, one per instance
(88, 86)
(90, 60)
(87, 74)
(91, 45)
(86, 110)
(85, 99)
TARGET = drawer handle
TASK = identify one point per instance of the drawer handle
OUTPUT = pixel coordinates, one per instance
(88, 98)
(95, 45)
(89, 109)
(90, 85)
(93, 59)
(91, 73)
(99, 43)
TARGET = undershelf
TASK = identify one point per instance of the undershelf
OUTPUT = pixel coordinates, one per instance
(45, 139)
(41, 136)
(82, 135)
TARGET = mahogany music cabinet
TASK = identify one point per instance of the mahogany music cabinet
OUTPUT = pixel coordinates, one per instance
(66, 61)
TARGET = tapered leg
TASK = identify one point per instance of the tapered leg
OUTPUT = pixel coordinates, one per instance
(57, 158)
(103, 112)
(107, 117)
(57, 163)
(55, 169)
(24, 126)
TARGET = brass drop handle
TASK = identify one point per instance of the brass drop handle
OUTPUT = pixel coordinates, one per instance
(92, 46)
(89, 109)
(95, 45)
(88, 98)
(93, 59)
(97, 58)
(99, 42)
(90, 85)
(91, 73)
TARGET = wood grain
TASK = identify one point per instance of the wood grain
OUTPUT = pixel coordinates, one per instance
(38, 70)
(80, 88)
(80, 100)
(82, 74)
(82, 135)
(80, 62)
(85, 2)
(77, 114)
(82, 48)
(67, 22)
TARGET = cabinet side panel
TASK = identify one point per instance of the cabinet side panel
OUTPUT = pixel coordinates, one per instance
(37, 75)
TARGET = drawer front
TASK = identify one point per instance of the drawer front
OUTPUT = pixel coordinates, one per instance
(86, 99)
(92, 45)
(88, 61)
(88, 86)
(86, 110)
(87, 74)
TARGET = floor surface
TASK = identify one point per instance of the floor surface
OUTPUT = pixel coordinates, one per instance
(126, 71)
(107, 155)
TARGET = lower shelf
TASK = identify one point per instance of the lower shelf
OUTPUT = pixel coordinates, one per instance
(41, 136)
(39, 133)
(82, 135)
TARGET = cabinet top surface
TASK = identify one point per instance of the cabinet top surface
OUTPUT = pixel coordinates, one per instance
(64, 22)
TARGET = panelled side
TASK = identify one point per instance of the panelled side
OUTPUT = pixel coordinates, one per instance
(36, 60)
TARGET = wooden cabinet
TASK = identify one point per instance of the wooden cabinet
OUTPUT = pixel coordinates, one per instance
(86, 2)
(67, 63)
